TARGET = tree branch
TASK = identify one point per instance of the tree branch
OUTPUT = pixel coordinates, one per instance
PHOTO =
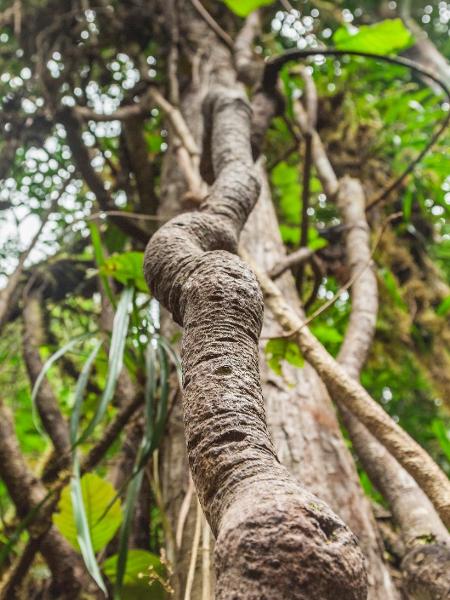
(47, 405)
(354, 397)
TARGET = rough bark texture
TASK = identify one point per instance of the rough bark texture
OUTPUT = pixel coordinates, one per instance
(302, 419)
(425, 564)
(217, 300)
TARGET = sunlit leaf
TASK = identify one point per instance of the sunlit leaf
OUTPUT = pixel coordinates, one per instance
(443, 436)
(127, 268)
(96, 495)
(242, 8)
(279, 349)
(384, 37)
(82, 505)
(444, 307)
(115, 359)
(144, 578)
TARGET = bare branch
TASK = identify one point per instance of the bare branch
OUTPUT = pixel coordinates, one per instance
(212, 23)
(300, 256)
(9, 290)
(27, 494)
(248, 67)
(354, 397)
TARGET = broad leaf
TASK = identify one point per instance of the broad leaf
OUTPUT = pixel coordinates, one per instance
(278, 349)
(103, 520)
(242, 8)
(144, 578)
(127, 268)
(442, 435)
(384, 37)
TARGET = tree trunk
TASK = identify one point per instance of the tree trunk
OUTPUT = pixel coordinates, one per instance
(301, 417)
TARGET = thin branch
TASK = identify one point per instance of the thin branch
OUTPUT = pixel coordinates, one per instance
(206, 560)
(247, 65)
(13, 281)
(194, 552)
(82, 161)
(354, 397)
(212, 23)
(177, 121)
(98, 451)
(28, 494)
(300, 256)
(356, 275)
(46, 402)
(184, 511)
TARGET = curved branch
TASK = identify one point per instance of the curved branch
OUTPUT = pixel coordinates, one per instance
(254, 507)
(353, 396)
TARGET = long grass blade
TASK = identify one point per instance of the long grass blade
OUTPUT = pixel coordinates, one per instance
(80, 390)
(48, 363)
(100, 260)
(115, 360)
(82, 525)
(122, 554)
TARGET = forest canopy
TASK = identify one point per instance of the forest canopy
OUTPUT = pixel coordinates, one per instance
(224, 299)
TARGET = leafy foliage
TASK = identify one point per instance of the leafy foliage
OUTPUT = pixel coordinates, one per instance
(103, 512)
(242, 8)
(144, 577)
(384, 37)
(279, 349)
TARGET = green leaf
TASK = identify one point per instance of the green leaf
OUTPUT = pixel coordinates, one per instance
(96, 495)
(84, 536)
(242, 8)
(79, 393)
(123, 555)
(442, 436)
(384, 37)
(278, 349)
(115, 360)
(326, 334)
(444, 307)
(392, 288)
(100, 259)
(127, 268)
(145, 576)
(48, 363)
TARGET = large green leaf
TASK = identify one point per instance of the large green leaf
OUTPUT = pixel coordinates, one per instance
(103, 520)
(242, 8)
(278, 349)
(127, 268)
(444, 307)
(145, 576)
(384, 37)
